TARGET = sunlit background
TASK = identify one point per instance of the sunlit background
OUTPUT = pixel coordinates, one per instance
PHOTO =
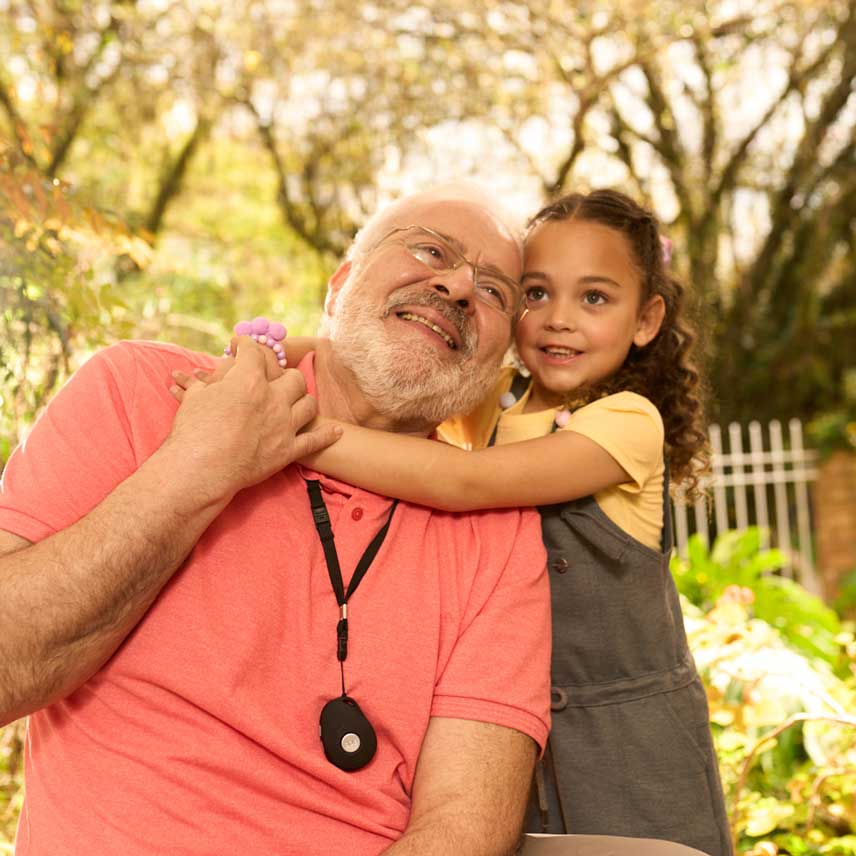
(170, 166)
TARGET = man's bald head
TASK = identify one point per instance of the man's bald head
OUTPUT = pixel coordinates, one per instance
(406, 211)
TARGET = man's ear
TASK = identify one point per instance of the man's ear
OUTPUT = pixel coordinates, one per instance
(650, 321)
(334, 286)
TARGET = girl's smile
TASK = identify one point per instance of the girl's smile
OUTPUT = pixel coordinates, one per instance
(583, 294)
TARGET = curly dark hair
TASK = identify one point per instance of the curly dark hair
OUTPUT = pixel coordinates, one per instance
(664, 371)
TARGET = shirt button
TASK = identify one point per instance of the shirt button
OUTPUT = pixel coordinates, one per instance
(559, 565)
(357, 514)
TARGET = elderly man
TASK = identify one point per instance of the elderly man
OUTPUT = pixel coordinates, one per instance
(179, 622)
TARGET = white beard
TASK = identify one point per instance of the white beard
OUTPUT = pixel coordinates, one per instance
(403, 377)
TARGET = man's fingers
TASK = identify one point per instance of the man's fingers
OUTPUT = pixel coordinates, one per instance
(292, 383)
(272, 366)
(317, 439)
(249, 355)
(303, 411)
(244, 344)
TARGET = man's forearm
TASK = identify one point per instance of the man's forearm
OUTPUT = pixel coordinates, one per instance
(441, 840)
(469, 792)
(69, 601)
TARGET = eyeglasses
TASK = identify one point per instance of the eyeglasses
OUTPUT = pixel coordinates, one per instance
(433, 250)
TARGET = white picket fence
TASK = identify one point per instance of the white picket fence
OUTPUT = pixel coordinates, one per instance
(766, 486)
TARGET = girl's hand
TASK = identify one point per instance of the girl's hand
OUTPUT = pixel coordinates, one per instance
(224, 365)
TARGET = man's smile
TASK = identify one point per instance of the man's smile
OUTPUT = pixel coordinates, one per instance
(431, 325)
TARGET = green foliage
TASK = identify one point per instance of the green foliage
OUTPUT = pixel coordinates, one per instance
(835, 430)
(846, 600)
(736, 559)
(783, 729)
(57, 287)
(11, 782)
(74, 277)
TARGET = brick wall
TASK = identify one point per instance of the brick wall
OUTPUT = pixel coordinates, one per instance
(835, 520)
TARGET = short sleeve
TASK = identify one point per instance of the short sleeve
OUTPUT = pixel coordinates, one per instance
(630, 428)
(106, 419)
(499, 668)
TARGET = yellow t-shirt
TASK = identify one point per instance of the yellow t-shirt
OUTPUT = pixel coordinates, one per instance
(626, 425)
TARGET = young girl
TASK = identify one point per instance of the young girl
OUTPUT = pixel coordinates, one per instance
(607, 413)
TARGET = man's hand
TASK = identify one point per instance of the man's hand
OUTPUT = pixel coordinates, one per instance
(238, 429)
(273, 370)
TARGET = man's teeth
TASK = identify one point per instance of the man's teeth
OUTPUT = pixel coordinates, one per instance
(409, 316)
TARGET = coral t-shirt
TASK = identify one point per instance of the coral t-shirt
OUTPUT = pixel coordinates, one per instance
(201, 734)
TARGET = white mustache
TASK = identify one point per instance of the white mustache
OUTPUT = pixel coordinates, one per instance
(450, 311)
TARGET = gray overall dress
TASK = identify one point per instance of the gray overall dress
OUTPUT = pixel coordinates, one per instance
(630, 751)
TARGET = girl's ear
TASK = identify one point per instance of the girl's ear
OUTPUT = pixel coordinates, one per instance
(650, 320)
(334, 286)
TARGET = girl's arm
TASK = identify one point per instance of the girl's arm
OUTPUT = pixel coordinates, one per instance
(555, 468)
(296, 348)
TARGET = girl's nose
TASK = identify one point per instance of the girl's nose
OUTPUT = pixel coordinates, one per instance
(559, 319)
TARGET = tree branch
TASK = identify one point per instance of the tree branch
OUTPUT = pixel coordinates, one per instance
(515, 144)
(797, 80)
(82, 104)
(620, 131)
(783, 214)
(19, 128)
(173, 176)
(294, 218)
(707, 109)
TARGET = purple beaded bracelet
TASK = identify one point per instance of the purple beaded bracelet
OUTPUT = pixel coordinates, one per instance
(268, 333)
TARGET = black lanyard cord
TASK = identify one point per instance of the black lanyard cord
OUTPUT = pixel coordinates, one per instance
(328, 543)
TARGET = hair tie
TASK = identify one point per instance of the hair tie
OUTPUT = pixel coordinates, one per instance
(267, 333)
(666, 249)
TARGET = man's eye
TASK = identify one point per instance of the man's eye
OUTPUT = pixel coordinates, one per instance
(595, 298)
(433, 255)
(493, 292)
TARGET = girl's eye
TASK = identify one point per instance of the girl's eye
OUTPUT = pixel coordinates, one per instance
(595, 298)
(535, 294)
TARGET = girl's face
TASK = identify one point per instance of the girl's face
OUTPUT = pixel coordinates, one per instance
(584, 294)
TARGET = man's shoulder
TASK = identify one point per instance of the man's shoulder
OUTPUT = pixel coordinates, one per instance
(131, 366)
(143, 354)
(131, 379)
(498, 530)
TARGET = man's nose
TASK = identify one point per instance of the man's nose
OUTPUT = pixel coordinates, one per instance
(458, 286)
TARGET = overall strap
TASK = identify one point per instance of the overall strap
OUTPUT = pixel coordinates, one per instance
(518, 386)
(667, 538)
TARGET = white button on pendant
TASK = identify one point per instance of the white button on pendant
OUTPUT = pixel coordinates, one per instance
(350, 742)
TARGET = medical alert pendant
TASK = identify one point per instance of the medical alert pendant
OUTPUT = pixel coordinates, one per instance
(347, 736)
